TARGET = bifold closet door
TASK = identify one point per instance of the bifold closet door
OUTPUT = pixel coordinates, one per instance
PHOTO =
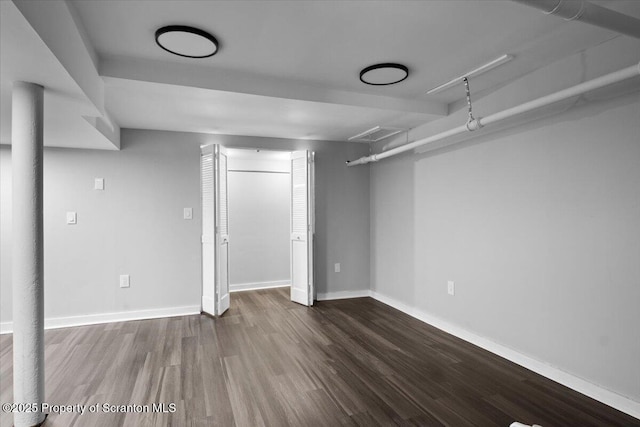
(222, 230)
(207, 199)
(215, 230)
(302, 226)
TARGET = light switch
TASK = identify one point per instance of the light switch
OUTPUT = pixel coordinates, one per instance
(125, 282)
(188, 213)
(336, 267)
(72, 218)
(99, 184)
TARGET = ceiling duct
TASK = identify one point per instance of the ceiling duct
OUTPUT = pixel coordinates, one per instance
(376, 134)
(582, 10)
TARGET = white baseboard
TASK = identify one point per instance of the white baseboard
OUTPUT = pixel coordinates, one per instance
(238, 287)
(343, 295)
(6, 328)
(93, 319)
(580, 385)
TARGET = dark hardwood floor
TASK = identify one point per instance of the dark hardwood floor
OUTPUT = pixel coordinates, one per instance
(271, 362)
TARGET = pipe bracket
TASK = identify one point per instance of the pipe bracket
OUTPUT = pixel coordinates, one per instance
(554, 10)
(474, 124)
(578, 14)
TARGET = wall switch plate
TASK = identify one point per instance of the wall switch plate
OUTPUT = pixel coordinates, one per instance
(188, 213)
(98, 184)
(72, 218)
(125, 281)
(336, 267)
(451, 287)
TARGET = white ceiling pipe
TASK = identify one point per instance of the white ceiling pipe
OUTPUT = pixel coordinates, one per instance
(581, 10)
(579, 89)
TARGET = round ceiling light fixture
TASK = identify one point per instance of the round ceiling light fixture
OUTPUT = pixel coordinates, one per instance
(384, 74)
(186, 41)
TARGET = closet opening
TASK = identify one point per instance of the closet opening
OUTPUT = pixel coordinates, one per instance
(257, 224)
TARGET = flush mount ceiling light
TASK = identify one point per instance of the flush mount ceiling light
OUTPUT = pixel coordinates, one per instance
(384, 74)
(186, 41)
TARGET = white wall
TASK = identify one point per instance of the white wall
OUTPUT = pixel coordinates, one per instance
(259, 219)
(538, 225)
(135, 226)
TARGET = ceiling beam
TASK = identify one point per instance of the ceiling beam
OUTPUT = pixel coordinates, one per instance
(64, 55)
(54, 23)
(188, 75)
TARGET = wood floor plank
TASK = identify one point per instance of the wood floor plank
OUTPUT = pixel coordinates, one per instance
(271, 362)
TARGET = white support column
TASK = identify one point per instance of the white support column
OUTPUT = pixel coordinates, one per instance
(27, 261)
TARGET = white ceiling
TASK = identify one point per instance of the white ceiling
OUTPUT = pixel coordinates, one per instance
(290, 69)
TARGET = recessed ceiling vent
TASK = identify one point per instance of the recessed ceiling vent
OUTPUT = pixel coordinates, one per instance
(376, 134)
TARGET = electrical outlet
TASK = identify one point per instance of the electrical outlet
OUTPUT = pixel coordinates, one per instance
(98, 184)
(72, 218)
(336, 267)
(451, 287)
(188, 213)
(125, 281)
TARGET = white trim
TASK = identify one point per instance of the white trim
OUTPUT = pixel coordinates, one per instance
(580, 385)
(6, 328)
(343, 295)
(124, 316)
(239, 287)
